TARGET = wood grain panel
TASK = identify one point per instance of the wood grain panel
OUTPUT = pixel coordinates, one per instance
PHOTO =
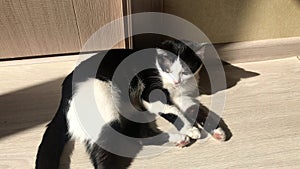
(142, 41)
(146, 6)
(91, 15)
(37, 27)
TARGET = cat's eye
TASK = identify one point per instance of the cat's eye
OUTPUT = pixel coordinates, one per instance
(185, 72)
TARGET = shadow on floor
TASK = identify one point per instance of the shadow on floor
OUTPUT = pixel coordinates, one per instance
(26, 108)
(233, 75)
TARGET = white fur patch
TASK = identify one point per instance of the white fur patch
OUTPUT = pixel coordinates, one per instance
(161, 52)
(176, 68)
(74, 127)
(94, 104)
(175, 72)
(159, 107)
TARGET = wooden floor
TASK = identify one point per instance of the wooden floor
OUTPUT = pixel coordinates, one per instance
(262, 110)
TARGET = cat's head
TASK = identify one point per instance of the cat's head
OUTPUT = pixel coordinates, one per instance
(177, 62)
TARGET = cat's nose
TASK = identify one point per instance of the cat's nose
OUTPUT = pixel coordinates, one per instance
(177, 82)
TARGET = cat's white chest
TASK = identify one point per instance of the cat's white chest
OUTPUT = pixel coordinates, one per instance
(186, 89)
(183, 95)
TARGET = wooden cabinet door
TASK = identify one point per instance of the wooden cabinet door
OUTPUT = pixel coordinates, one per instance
(50, 27)
(32, 28)
(92, 15)
(37, 27)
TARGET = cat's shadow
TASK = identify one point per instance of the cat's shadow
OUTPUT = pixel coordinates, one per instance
(233, 75)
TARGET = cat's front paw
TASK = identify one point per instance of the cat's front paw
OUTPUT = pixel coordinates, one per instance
(219, 134)
(185, 140)
(194, 133)
(180, 140)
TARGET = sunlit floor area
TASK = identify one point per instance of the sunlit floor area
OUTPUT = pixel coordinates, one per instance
(262, 109)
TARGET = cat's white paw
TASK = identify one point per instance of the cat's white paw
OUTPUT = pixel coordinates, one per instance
(180, 140)
(185, 140)
(194, 133)
(219, 134)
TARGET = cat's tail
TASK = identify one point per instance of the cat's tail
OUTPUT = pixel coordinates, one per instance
(53, 142)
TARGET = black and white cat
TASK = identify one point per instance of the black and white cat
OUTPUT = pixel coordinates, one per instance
(178, 63)
(88, 91)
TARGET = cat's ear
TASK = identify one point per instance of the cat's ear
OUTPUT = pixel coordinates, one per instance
(200, 49)
(162, 57)
(161, 52)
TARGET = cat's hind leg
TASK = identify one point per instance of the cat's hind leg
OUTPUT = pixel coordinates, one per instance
(53, 142)
(103, 159)
(211, 122)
